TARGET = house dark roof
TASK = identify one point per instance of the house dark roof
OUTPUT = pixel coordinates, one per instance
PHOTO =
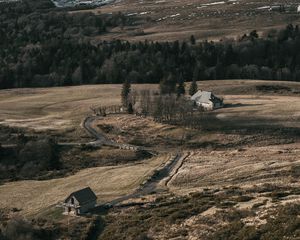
(84, 195)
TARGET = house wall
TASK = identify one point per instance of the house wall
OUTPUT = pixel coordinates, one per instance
(206, 106)
(71, 212)
(72, 207)
(86, 207)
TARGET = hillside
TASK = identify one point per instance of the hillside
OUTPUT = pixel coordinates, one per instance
(66, 47)
(100, 138)
(238, 174)
(169, 20)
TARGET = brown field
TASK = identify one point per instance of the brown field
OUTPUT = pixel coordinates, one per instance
(56, 108)
(169, 20)
(239, 157)
(107, 182)
(245, 168)
(60, 108)
(244, 175)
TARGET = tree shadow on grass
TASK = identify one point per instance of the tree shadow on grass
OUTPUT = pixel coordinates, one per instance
(237, 105)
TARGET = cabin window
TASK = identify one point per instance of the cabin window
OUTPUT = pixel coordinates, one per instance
(72, 200)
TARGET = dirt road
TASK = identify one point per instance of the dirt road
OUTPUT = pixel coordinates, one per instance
(101, 139)
(164, 174)
(152, 185)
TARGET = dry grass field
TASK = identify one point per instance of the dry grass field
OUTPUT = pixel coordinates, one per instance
(246, 158)
(244, 178)
(245, 168)
(254, 184)
(55, 108)
(60, 108)
(107, 182)
(169, 20)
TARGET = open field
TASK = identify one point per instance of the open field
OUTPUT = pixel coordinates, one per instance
(282, 110)
(243, 168)
(273, 117)
(107, 182)
(65, 107)
(169, 20)
(244, 163)
(55, 108)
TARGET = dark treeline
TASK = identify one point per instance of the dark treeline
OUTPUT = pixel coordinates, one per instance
(31, 158)
(41, 48)
(44, 46)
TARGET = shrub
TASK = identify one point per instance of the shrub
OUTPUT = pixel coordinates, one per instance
(42, 153)
(295, 171)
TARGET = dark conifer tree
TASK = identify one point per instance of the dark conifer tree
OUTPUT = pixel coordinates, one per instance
(130, 108)
(168, 85)
(253, 34)
(193, 40)
(180, 87)
(125, 92)
(193, 88)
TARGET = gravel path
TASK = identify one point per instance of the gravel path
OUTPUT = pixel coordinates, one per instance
(164, 174)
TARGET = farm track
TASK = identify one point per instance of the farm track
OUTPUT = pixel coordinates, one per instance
(176, 168)
(166, 173)
(151, 185)
(101, 139)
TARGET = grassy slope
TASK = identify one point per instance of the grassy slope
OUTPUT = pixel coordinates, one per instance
(60, 108)
(70, 104)
(55, 108)
(177, 20)
(107, 182)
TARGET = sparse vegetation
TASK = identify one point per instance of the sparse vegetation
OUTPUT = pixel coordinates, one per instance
(29, 159)
(236, 146)
(21, 229)
(173, 213)
(230, 173)
(163, 212)
(282, 224)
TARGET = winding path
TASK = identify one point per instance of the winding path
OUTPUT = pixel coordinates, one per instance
(163, 175)
(152, 184)
(101, 139)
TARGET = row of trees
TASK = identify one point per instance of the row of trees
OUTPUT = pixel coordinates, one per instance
(48, 47)
(169, 107)
(165, 108)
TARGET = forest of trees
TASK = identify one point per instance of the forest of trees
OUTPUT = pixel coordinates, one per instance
(29, 159)
(43, 46)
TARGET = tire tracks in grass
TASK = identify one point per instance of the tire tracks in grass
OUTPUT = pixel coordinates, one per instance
(176, 168)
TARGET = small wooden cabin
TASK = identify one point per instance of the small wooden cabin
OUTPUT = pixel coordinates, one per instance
(80, 202)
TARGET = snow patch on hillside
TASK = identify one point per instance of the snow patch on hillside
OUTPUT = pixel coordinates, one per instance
(73, 3)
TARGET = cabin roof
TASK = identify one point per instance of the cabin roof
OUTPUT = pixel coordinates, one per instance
(202, 96)
(83, 195)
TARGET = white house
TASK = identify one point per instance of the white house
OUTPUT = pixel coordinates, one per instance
(207, 100)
